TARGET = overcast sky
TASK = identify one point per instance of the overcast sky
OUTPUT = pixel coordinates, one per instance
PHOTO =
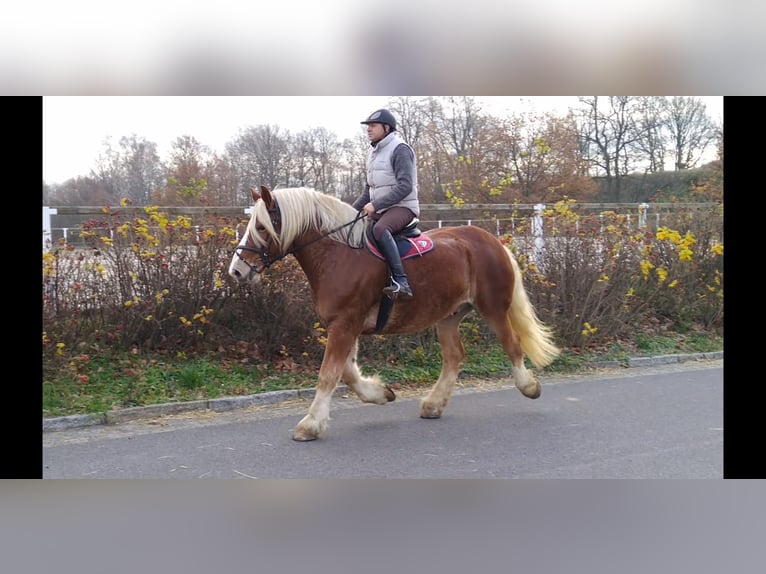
(76, 127)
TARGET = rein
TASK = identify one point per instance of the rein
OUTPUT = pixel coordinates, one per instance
(263, 252)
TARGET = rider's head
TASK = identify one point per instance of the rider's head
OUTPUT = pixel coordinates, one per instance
(380, 124)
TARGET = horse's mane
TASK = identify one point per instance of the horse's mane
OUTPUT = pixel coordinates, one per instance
(303, 209)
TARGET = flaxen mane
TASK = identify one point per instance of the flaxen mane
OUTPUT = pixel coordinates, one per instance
(303, 209)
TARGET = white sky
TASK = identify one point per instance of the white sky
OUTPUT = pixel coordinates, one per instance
(76, 127)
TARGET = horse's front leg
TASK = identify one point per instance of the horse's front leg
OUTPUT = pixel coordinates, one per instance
(314, 424)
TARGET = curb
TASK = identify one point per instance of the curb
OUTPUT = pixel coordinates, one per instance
(153, 411)
(231, 403)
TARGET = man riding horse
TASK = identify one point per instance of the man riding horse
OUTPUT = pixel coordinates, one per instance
(390, 197)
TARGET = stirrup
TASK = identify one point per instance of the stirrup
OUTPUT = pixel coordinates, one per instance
(393, 291)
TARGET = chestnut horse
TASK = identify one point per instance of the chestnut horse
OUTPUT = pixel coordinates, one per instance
(469, 268)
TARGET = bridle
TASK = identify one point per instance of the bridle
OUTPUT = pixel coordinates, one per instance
(266, 260)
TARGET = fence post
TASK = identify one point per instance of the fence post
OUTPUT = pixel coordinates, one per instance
(248, 212)
(537, 231)
(642, 209)
(47, 212)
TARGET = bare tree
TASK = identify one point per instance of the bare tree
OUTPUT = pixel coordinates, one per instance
(418, 119)
(81, 191)
(611, 133)
(352, 171)
(132, 171)
(461, 123)
(410, 112)
(653, 145)
(323, 159)
(691, 130)
(299, 151)
(258, 156)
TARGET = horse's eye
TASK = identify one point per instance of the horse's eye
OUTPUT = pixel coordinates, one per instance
(260, 228)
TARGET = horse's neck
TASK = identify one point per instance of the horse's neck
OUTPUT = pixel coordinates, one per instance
(316, 259)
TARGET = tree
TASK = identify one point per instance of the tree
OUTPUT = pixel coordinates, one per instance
(611, 134)
(81, 191)
(299, 151)
(131, 171)
(539, 159)
(420, 120)
(450, 136)
(258, 155)
(323, 159)
(460, 124)
(411, 115)
(651, 123)
(187, 173)
(691, 130)
(711, 186)
(352, 172)
(221, 183)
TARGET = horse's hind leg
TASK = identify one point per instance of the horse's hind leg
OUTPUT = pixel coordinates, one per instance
(453, 353)
(368, 389)
(509, 339)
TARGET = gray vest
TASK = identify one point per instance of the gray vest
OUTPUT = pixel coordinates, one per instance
(380, 173)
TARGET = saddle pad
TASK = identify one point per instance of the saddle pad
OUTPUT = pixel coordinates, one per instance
(408, 247)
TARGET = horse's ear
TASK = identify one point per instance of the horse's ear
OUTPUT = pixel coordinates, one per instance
(268, 199)
(255, 194)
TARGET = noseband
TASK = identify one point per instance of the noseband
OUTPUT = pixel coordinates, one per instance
(263, 252)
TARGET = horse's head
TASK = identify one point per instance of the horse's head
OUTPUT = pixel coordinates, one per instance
(259, 246)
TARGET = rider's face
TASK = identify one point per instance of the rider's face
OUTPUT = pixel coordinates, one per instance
(376, 132)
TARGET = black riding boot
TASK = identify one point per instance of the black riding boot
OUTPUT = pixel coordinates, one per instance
(389, 249)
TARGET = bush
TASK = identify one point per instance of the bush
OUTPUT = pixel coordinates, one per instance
(153, 285)
(600, 278)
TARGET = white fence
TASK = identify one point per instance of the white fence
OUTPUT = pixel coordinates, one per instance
(432, 215)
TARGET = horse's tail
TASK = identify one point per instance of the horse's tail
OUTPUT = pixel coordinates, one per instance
(536, 338)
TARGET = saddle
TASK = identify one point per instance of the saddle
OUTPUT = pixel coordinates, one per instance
(410, 241)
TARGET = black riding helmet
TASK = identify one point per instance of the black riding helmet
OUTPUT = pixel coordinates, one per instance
(381, 117)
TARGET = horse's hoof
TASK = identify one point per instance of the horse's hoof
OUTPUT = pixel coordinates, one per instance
(390, 394)
(533, 394)
(303, 438)
(430, 412)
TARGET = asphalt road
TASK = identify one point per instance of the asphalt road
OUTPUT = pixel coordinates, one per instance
(650, 422)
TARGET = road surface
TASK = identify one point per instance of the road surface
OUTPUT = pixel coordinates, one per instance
(648, 422)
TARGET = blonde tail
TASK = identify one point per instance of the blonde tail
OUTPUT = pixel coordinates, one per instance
(536, 338)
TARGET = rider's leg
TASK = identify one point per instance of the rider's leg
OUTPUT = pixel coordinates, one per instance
(391, 221)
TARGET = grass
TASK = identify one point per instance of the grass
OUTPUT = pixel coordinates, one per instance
(127, 380)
